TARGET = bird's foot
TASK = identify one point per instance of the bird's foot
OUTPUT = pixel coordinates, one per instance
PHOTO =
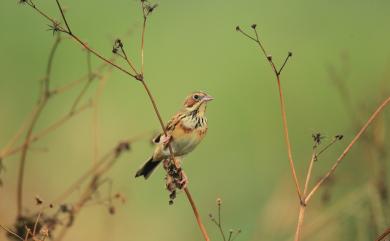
(183, 182)
(165, 139)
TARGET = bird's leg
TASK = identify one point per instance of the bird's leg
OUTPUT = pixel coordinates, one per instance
(165, 139)
(183, 183)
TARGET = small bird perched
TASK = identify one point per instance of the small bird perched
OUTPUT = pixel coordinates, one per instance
(184, 132)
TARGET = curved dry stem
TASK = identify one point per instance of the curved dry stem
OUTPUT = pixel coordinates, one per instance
(137, 77)
(383, 235)
(41, 105)
(277, 73)
(349, 147)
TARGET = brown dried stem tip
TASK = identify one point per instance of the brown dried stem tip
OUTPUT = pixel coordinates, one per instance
(218, 222)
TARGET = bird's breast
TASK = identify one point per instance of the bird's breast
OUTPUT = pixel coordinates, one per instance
(188, 134)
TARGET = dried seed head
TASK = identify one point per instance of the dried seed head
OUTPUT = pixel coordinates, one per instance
(238, 28)
(219, 201)
(38, 200)
(269, 57)
(317, 138)
(111, 210)
(64, 208)
(289, 54)
(44, 231)
(254, 26)
(339, 137)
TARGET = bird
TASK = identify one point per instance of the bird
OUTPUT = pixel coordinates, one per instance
(184, 132)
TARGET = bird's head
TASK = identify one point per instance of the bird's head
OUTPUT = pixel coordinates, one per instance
(197, 101)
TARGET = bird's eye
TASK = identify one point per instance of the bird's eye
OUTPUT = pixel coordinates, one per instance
(196, 97)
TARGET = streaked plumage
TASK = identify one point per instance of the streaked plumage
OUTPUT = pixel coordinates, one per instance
(185, 131)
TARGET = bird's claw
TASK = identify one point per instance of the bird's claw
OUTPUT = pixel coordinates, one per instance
(165, 139)
(183, 182)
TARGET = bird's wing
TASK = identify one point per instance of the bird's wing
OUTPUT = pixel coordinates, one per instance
(170, 127)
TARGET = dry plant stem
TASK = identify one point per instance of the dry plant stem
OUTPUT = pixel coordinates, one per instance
(383, 235)
(220, 224)
(41, 105)
(197, 215)
(287, 140)
(309, 171)
(87, 84)
(348, 148)
(334, 167)
(143, 37)
(77, 39)
(96, 173)
(128, 61)
(304, 199)
(49, 129)
(36, 224)
(301, 217)
(187, 192)
(282, 107)
(8, 147)
(11, 232)
(302, 206)
(103, 160)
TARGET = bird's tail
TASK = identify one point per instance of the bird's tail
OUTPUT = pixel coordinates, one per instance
(147, 169)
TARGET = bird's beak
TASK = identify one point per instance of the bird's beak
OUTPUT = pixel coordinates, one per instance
(208, 98)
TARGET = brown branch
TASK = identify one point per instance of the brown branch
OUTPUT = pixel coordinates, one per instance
(87, 84)
(41, 105)
(95, 173)
(63, 17)
(304, 199)
(47, 130)
(137, 77)
(8, 147)
(282, 104)
(383, 235)
(11, 232)
(348, 148)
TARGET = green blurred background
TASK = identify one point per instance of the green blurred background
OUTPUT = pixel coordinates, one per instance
(193, 45)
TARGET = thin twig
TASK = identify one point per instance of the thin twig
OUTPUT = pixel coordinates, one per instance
(383, 235)
(128, 59)
(48, 129)
(87, 84)
(309, 170)
(63, 17)
(41, 105)
(197, 215)
(289, 55)
(36, 224)
(137, 77)
(143, 36)
(11, 232)
(220, 222)
(348, 148)
(282, 107)
(327, 146)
